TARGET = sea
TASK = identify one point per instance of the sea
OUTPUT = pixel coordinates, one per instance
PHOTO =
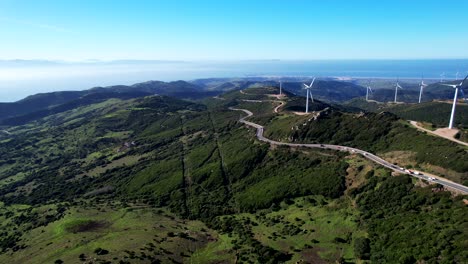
(21, 78)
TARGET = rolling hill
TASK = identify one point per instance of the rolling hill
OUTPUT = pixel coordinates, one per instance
(27, 108)
(160, 179)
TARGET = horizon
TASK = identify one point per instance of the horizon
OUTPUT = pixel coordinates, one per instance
(21, 78)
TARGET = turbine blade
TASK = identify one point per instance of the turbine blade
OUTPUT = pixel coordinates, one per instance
(312, 83)
(464, 80)
(463, 95)
(450, 85)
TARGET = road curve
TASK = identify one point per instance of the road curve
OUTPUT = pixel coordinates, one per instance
(424, 176)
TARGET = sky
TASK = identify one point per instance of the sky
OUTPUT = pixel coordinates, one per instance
(78, 30)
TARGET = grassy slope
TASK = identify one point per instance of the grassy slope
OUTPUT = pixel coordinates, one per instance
(199, 163)
(128, 234)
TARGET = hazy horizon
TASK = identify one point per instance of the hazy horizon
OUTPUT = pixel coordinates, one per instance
(19, 79)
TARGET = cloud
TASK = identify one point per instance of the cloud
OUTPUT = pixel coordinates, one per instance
(36, 25)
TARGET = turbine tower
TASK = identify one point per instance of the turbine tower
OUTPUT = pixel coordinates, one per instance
(422, 85)
(368, 89)
(442, 76)
(281, 88)
(456, 87)
(307, 88)
(397, 86)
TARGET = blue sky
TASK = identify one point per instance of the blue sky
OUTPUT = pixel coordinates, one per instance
(232, 30)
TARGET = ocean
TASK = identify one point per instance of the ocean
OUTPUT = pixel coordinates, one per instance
(19, 79)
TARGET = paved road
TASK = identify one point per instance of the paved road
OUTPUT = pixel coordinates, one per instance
(367, 155)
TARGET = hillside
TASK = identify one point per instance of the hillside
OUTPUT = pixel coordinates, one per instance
(159, 179)
(437, 113)
(28, 107)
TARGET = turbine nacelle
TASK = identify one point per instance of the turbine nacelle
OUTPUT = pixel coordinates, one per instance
(309, 86)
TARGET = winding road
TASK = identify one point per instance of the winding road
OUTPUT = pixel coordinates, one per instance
(422, 175)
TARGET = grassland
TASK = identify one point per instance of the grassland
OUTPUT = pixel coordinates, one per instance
(134, 234)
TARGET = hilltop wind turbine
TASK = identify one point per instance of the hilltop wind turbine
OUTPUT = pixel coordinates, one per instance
(281, 88)
(368, 89)
(422, 85)
(442, 76)
(397, 86)
(456, 87)
(307, 88)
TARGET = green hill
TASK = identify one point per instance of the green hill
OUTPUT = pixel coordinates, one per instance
(159, 179)
(437, 113)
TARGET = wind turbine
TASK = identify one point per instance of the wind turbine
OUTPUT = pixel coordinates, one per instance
(368, 89)
(397, 86)
(308, 87)
(456, 76)
(281, 88)
(442, 76)
(422, 85)
(456, 87)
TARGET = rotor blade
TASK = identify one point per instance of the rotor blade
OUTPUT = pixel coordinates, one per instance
(463, 95)
(464, 80)
(306, 86)
(450, 85)
(312, 83)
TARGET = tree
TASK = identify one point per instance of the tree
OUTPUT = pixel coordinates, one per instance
(362, 247)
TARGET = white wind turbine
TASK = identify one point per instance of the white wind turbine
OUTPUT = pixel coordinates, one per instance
(422, 85)
(307, 88)
(368, 89)
(442, 77)
(456, 87)
(397, 86)
(456, 76)
(281, 88)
